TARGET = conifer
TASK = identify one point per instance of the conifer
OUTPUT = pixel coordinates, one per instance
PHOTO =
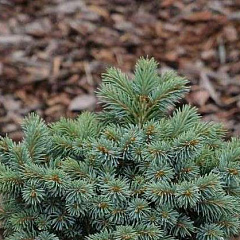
(135, 171)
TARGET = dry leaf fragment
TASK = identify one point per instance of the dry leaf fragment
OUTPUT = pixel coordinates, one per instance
(199, 16)
(15, 39)
(83, 102)
(198, 98)
(99, 10)
(210, 88)
(167, 3)
(231, 33)
(66, 7)
(9, 103)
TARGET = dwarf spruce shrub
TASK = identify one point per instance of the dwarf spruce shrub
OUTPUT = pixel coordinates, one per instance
(132, 172)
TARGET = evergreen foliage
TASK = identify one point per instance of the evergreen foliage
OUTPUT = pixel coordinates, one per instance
(132, 172)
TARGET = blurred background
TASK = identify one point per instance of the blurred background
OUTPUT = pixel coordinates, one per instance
(52, 53)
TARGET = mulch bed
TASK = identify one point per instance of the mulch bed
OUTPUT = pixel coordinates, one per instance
(52, 53)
